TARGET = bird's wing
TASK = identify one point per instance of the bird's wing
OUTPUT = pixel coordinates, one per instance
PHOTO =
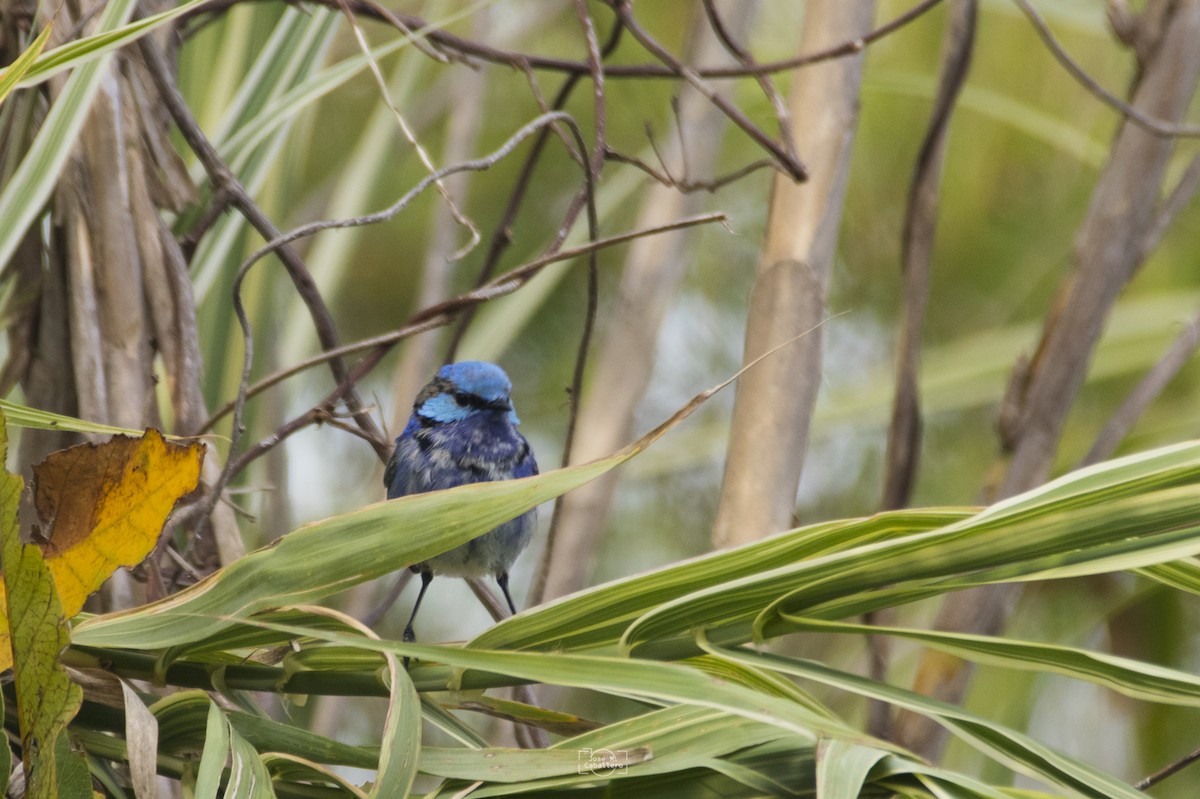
(526, 465)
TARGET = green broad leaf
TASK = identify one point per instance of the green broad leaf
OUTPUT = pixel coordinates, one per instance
(842, 767)
(661, 743)
(313, 562)
(642, 679)
(182, 719)
(248, 774)
(551, 721)
(292, 769)
(12, 74)
(23, 197)
(1182, 574)
(73, 780)
(1007, 746)
(1132, 678)
(1123, 514)
(600, 615)
(47, 700)
(401, 736)
(268, 735)
(216, 752)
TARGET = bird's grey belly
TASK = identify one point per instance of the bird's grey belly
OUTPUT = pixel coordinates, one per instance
(489, 554)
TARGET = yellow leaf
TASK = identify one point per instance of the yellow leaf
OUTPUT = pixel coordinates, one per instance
(103, 506)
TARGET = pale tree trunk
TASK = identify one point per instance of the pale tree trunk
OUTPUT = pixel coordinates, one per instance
(774, 402)
(1109, 249)
(624, 360)
(107, 290)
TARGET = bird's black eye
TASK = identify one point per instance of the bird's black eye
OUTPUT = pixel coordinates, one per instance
(462, 399)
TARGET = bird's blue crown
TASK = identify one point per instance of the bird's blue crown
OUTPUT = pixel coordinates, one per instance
(461, 389)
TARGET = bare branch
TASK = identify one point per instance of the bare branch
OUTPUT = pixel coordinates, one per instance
(785, 159)
(223, 178)
(502, 236)
(1167, 771)
(427, 319)
(920, 225)
(594, 164)
(1153, 124)
(782, 117)
(1180, 352)
(465, 47)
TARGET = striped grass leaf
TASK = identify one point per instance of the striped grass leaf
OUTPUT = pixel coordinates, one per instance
(17, 415)
(11, 75)
(26, 192)
(600, 615)
(843, 766)
(652, 681)
(83, 51)
(1124, 514)
(1129, 677)
(217, 747)
(305, 774)
(401, 736)
(1015, 749)
(248, 774)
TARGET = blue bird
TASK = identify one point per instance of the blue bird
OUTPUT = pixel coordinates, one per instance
(463, 429)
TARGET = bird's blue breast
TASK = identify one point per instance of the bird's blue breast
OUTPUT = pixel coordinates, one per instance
(480, 447)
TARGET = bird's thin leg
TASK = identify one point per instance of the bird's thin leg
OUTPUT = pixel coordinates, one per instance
(409, 635)
(502, 581)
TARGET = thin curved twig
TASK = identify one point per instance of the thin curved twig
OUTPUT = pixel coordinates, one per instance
(226, 183)
(594, 164)
(1142, 120)
(782, 117)
(786, 161)
(504, 285)
(442, 313)
(346, 381)
(502, 237)
(1167, 771)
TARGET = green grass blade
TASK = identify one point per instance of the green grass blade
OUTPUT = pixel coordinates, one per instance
(26, 193)
(401, 737)
(83, 51)
(216, 751)
(314, 562)
(1132, 678)
(24, 416)
(600, 615)
(842, 768)
(13, 73)
(1000, 743)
